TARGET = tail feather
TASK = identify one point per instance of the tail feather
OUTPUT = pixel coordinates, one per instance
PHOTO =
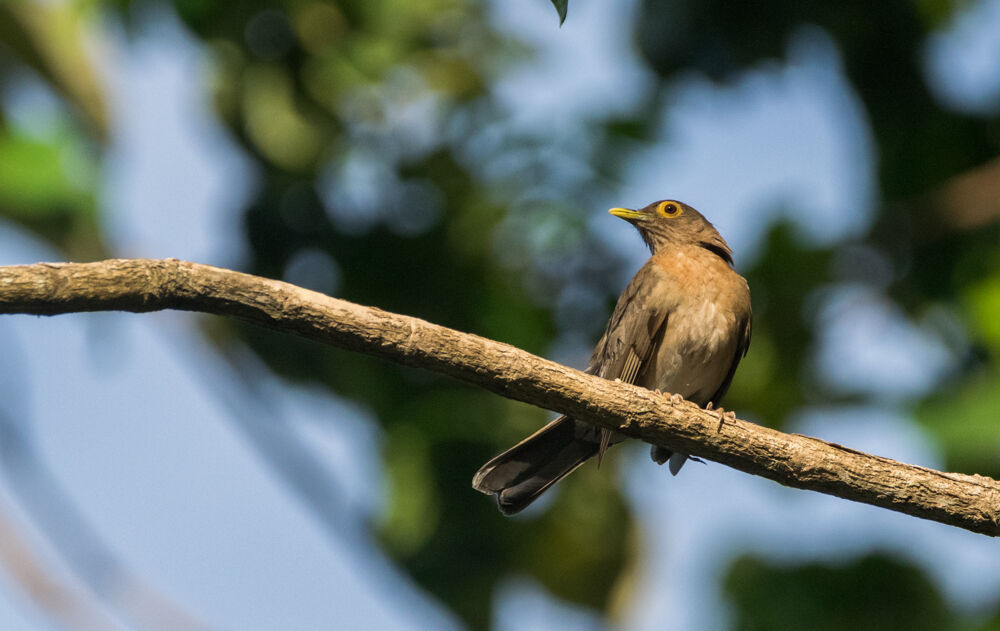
(522, 473)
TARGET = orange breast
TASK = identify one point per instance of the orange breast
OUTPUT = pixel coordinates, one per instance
(710, 303)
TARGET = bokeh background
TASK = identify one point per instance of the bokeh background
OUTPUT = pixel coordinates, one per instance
(453, 160)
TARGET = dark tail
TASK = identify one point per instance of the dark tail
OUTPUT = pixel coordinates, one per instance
(519, 475)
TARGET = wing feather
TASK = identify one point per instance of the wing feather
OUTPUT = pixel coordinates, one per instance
(634, 331)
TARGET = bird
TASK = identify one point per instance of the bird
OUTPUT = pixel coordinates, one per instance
(681, 326)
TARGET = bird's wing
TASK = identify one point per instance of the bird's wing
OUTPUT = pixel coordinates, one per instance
(634, 331)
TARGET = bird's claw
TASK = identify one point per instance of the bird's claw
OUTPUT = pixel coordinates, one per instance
(674, 397)
(721, 414)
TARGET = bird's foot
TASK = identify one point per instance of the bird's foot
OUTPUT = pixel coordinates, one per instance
(721, 414)
(674, 397)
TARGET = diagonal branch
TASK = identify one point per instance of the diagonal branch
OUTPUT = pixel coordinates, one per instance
(971, 502)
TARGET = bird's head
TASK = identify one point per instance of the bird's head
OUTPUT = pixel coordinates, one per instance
(669, 223)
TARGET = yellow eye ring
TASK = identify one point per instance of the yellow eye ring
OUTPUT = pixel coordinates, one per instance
(669, 209)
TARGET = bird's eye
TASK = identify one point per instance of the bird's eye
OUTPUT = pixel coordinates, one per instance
(669, 209)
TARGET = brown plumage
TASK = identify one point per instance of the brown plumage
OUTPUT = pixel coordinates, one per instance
(681, 326)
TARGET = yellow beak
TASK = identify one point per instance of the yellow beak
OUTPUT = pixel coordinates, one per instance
(627, 214)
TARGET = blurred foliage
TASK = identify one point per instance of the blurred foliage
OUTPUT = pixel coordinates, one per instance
(50, 38)
(782, 336)
(389, 175)
(875, 592)
(48, 176)
(361, 115)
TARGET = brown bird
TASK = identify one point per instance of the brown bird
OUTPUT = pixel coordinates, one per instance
(681, 326)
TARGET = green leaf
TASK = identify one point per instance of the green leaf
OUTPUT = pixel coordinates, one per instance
(561, 6)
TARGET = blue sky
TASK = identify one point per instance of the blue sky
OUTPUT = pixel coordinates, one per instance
(119, 407)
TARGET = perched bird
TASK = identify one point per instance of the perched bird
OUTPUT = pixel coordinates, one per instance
(681, 326)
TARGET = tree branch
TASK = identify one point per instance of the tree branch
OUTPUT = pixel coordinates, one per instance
(971, 502)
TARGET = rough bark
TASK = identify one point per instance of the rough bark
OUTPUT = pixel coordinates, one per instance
(971, 502)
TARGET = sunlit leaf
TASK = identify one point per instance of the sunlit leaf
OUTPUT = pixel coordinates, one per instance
(561, 6)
